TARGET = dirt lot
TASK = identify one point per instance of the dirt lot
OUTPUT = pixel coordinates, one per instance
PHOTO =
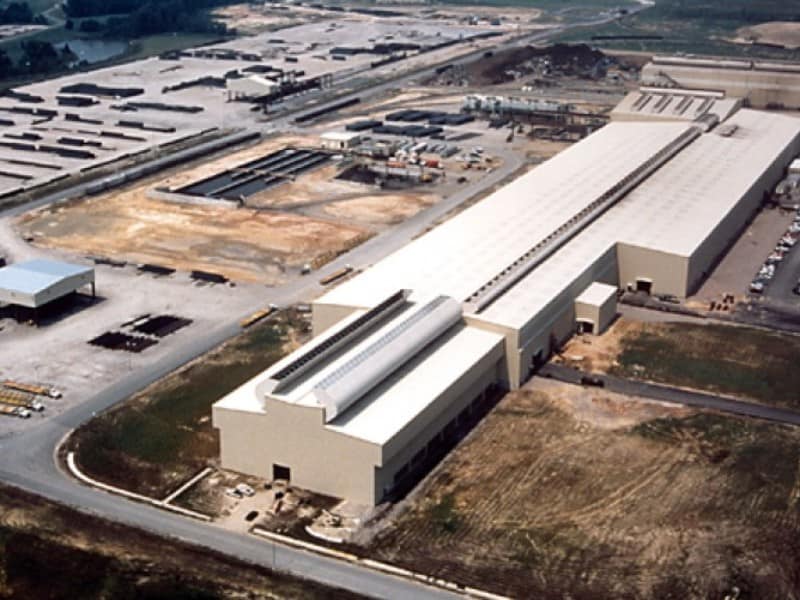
(309, 220)
(780, 33)
(242, 244)
(48, 551)
(162, 436)
(585, 494)
(752, 363)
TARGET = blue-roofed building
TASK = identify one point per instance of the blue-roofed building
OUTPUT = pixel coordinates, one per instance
(36, 283)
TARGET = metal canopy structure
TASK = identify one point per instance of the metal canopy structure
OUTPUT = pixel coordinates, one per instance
(36, 283)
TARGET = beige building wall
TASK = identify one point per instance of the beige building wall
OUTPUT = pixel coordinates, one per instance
(600, 315)
(667, 272)
(429, 423)
(330, 462)
(557, 320)
(294, 436)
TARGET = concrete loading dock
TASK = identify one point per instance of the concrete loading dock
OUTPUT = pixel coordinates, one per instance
(647, 205)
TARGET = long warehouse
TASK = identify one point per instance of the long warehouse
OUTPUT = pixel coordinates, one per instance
(412, 347)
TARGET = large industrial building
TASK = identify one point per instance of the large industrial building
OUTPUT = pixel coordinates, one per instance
(758, 84)
(407, 350)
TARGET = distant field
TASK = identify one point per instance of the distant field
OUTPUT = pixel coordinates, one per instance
(564, 492)
(696, 28)
(163, 435)
(731, 360)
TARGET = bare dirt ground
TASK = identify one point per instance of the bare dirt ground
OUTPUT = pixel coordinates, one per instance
(566, 492)
(780, 33)
(107, 560)
(248, 19)
(309, 220)
(598, 353)
(320, 194)
(242, 244)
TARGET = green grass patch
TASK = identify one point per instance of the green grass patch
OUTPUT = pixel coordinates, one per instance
(165, 432)
(444, 514)
(762, 458)
(739, 361)
(693, 27)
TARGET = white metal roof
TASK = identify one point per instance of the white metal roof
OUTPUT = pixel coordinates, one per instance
(401, 394)
(669, 105)
(351, 380)
(673, 211)
(462, 254)
(24, 283)
(340, 136)
(596, 294)
(389, 408)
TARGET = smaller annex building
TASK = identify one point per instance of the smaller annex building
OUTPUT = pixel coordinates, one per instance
(36, 283)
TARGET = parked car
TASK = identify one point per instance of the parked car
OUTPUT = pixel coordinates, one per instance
(233, 493)
(756, 287)
(245, 490)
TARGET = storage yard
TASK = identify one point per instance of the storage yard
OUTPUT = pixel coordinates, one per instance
(78, 123)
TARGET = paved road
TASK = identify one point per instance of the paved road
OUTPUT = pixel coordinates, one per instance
(26, 459)
(675, 395)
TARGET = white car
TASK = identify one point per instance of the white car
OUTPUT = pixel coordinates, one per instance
(756, 287)
(245, 490)
(233, 493)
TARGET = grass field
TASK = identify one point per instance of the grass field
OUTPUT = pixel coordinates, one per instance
(696, 28)
(591, 496)
(741, 361)
(163, 435)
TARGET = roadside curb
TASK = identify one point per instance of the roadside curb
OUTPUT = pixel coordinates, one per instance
(78, 474)
(378, 566)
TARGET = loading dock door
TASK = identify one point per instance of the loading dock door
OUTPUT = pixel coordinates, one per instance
(281, 472)
(585, 326)
(644, 285)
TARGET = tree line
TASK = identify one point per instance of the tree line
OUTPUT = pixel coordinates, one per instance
(19, 13)
(132, 18)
